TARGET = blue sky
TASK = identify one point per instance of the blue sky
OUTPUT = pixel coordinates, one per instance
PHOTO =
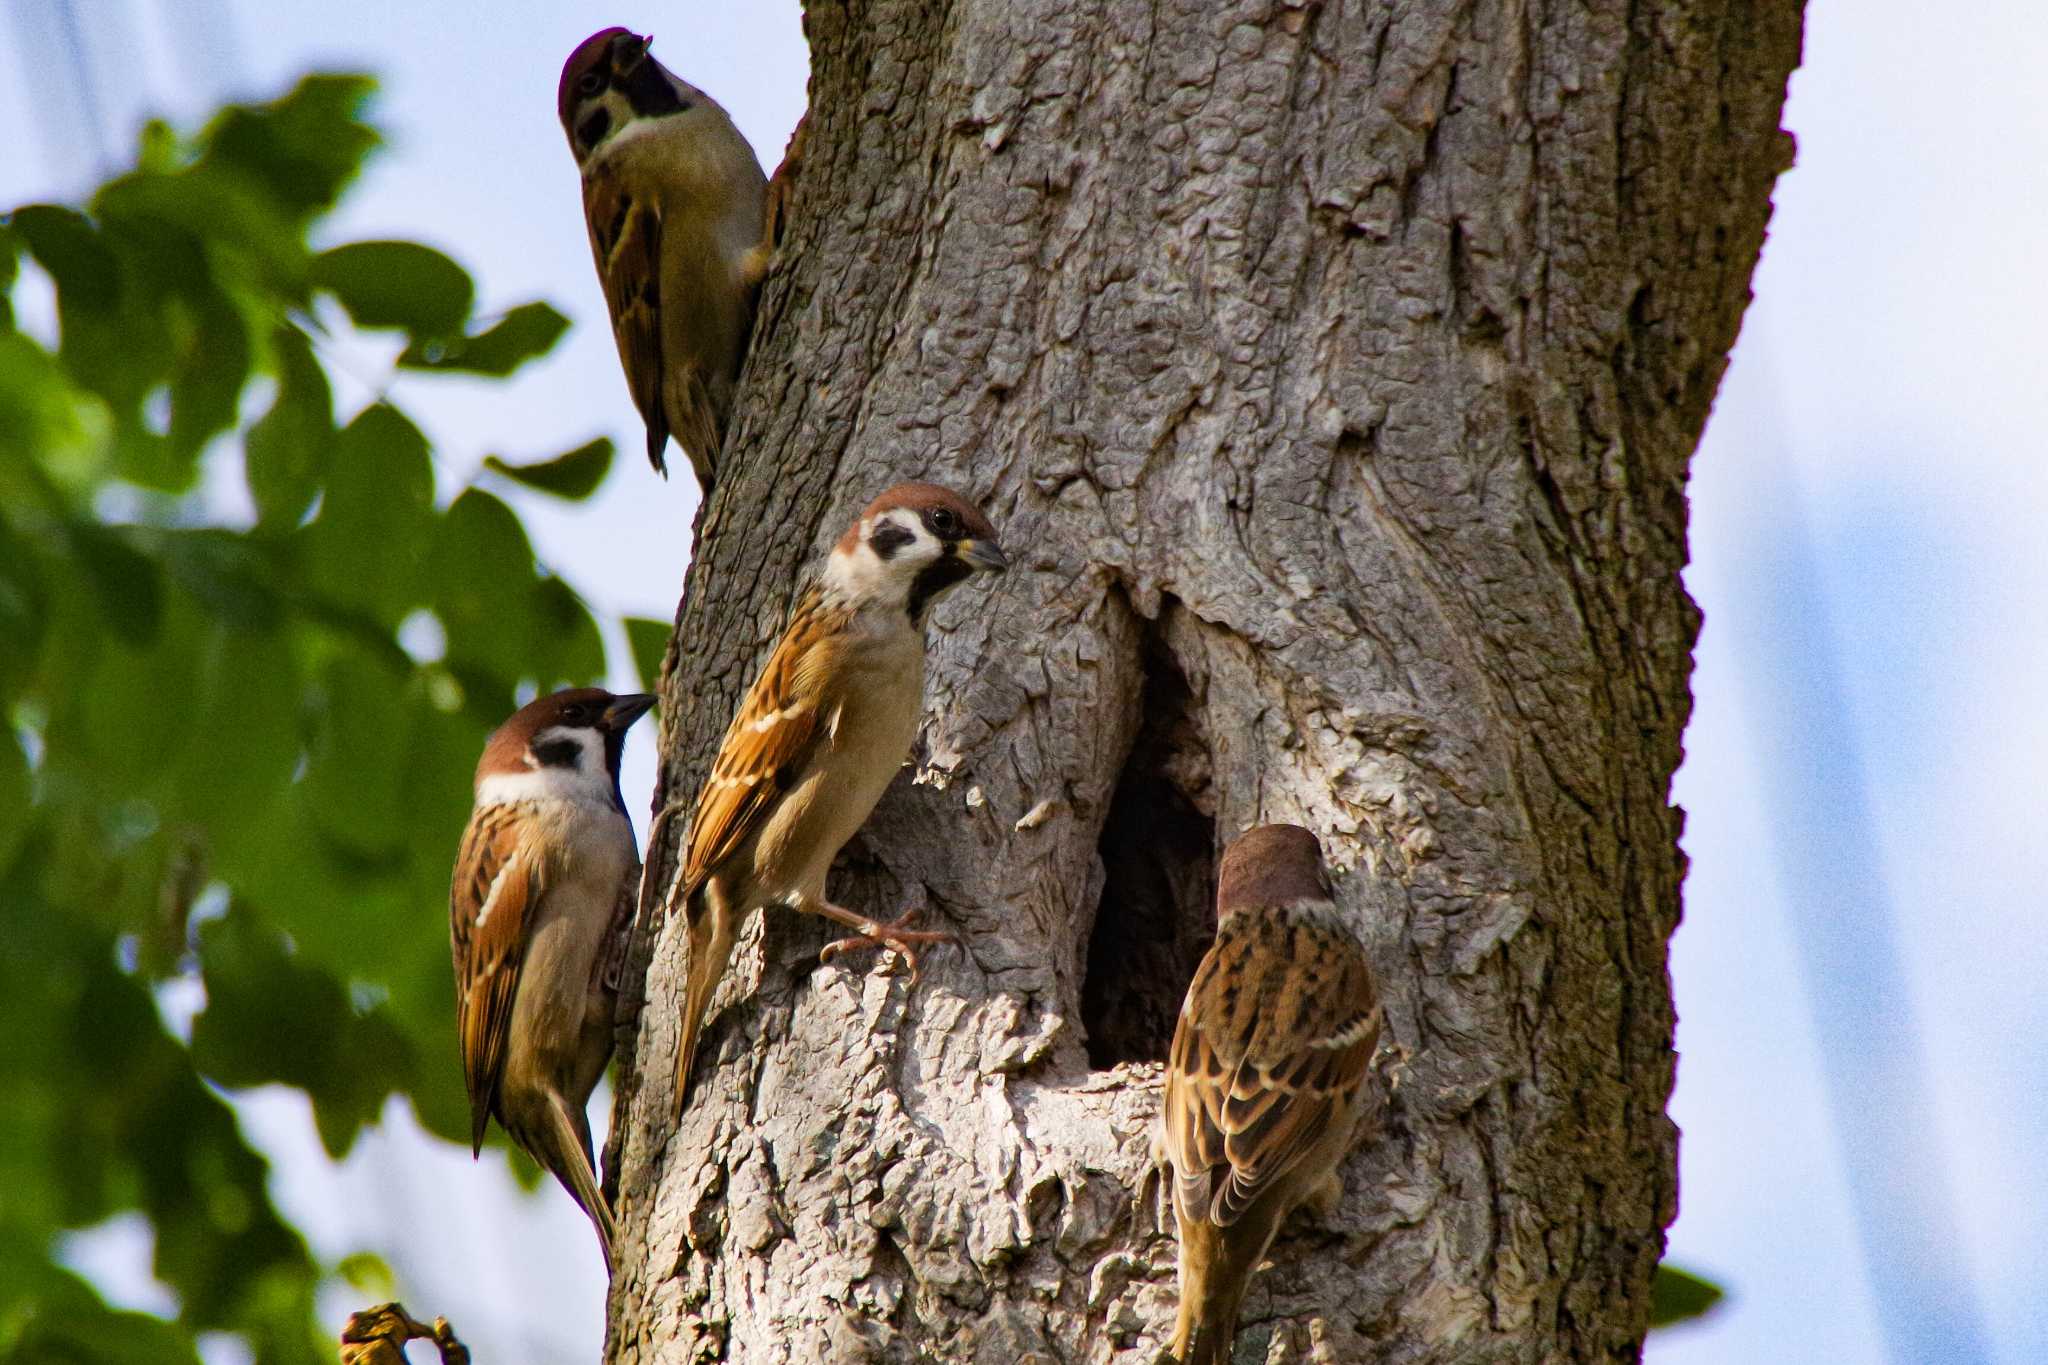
(1881, 424)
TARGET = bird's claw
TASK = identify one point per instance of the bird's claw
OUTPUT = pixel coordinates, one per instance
(893, 934)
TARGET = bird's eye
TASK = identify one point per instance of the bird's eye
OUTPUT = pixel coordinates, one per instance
(591, 83)
(945, 522)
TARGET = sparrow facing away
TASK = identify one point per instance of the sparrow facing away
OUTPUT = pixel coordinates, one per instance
(1266, 1082)
(821, 734)
(541, 891)
(674, 200)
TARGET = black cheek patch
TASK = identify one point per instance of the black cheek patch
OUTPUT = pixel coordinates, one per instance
(592, 129)
(940, 575)
(558, 753)
(887, 540)
(649, 93)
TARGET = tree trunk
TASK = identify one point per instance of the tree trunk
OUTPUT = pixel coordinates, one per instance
(1331, 373)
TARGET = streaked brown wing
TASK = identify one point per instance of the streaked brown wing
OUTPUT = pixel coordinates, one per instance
(625, 237)
(767, 746)
(1275, 1038)
(1195, 1076)
(499, 880)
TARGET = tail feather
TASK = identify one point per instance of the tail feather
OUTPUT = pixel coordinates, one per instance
(566, 1152)
(711, 941)
(696, 416)
(657, 443)
(1216, 1265)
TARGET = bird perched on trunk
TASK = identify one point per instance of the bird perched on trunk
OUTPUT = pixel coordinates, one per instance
(1265, 1085)
(545, 872)
(821, 734)
(674, 200)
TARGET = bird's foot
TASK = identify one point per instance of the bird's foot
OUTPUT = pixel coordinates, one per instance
(1391, 1060)
(893, 934)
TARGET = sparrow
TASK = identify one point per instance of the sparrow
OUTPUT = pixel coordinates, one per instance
(820, 735)
(675, 203)
(546, 868)
(1265, 1085)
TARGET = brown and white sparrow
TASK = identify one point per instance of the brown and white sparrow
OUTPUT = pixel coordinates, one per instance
(1265, 1086)
(824, 729)
(541, 894)
(675, 203)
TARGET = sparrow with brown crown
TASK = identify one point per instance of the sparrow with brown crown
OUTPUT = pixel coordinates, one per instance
(821, 734)
(540, 897)
(675, 203)
(1265, 1085)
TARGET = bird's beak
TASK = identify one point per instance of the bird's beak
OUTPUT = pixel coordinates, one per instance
(626, 709)
(983, 554)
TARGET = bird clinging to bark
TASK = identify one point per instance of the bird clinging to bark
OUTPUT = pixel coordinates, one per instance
(821, 734)
(541, 898)
(1265, 1085)
(674, 199)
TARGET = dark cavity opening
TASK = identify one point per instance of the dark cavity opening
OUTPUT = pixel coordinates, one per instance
(1157, 914)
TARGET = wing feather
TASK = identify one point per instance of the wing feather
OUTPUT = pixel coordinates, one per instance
(625, 238)
(499, 880)
(768, 744)
(1274, 1041)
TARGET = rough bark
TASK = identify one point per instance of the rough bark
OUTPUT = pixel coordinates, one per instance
(1331, 371)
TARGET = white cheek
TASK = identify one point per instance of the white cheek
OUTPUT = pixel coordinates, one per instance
(516, 789)
(863, 575)
(854, 575)
(589, 781)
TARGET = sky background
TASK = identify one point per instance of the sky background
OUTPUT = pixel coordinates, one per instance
(1860, 971)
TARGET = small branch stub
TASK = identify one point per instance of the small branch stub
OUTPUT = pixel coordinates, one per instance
(377, 1336)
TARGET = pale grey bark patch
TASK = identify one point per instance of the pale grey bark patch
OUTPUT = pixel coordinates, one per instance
(1331, 371)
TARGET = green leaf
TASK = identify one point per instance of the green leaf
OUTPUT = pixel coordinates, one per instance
(213, 365)
(364, 549)
(48, 1313)
(16, 791)
(356, 759)
(527, 332)
(10, 270)
(574, 475)
(305, 148)
(39, 417)
(231, 576)
(564, 647)
(66, 244)
(1677, 1295)
(478, 569)
(174, 228)
(286, 452)
(271, 1017)
(368, 1274)
(22, 608)
(246, 741)
(397, 284)
(129, 585)
(118, 336)
(648, 639)
(109, 1114)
